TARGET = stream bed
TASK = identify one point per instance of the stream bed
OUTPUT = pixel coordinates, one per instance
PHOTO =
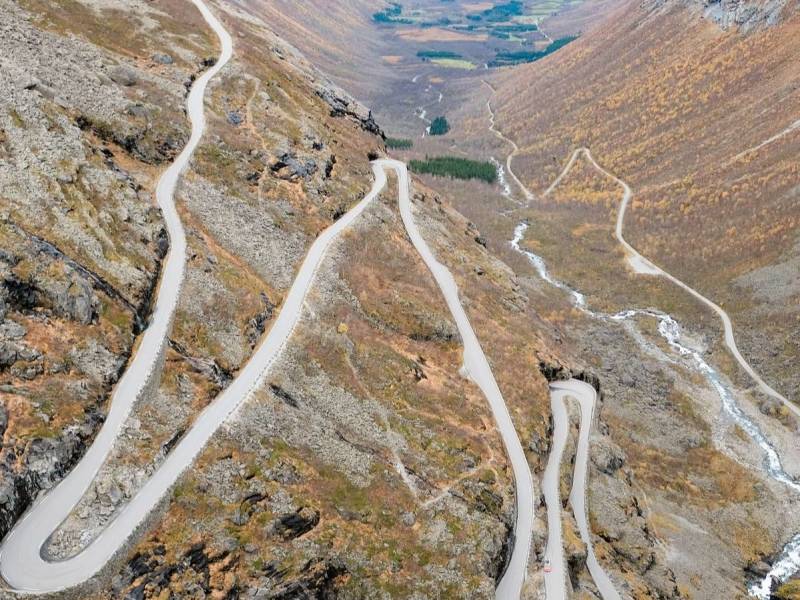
(787, 562)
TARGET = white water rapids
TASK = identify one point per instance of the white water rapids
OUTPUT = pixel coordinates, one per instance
(501, 177)
(788, 562)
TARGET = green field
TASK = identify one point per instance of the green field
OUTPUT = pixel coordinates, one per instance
(454, 63)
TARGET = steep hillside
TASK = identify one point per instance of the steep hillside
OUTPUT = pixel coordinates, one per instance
(337, 37)
(702, 123)
(700, 119)
(367, 464)
(86, 124)
(670, 465)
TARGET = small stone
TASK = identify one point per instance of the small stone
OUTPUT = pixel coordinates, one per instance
(162, 59)
(137, 110)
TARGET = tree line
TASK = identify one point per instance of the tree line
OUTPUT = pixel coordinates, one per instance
(456, 167)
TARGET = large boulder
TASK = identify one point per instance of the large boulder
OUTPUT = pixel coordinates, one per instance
(124, 76)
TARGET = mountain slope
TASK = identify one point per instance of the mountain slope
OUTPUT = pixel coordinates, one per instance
(679, 109)
(366, 462)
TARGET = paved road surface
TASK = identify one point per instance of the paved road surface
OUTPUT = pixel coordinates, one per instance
(587, 398)
(555, 582)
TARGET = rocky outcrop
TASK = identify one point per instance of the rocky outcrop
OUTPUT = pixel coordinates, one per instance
(740, 15)
(295, 524)
(70, 294)
(26, 467)
(320, 580)
(289, 167)
(207, 367)
(745, 15)
(137, 136)
(343, 105)
(211, 571)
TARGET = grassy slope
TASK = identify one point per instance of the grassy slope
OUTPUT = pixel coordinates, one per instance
(666, 101)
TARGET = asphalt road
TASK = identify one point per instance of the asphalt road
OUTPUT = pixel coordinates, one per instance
(587, 399)
(476, 368)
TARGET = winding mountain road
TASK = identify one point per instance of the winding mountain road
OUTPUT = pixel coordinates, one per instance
(476, 368)
(514, 148)
(795, 126)
(789, 559)
(555, 580)
(22, 562)
(642, 265)
(586, 396)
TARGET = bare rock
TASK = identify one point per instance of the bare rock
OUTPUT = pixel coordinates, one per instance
(293, 525)
(95, 360)
(162, 59)
(124, 76)
(606, 455)
(343, 105)
(289, 167)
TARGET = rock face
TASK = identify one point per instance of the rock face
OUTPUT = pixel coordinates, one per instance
(30, 467)
(607, 456)
(745, 15)
(738, 15)
(343, 105)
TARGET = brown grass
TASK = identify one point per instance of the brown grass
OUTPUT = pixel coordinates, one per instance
(477, 6)
(437, 34)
